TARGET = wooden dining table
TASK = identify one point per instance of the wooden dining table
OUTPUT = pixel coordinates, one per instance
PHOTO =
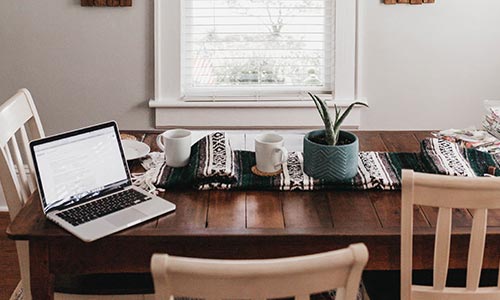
(252, 224)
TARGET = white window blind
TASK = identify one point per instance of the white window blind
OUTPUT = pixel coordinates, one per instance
(256, 49)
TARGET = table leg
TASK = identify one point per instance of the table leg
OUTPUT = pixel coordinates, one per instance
(42, 283)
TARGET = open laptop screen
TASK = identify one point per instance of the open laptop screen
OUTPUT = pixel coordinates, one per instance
(79, 165)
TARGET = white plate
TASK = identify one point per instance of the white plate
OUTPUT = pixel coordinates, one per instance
(134, 149)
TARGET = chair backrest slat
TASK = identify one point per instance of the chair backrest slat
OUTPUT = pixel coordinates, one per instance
(8, 155)
(476, 248)
(31, 167)
(447, 193)
(442, 247)
(340, 293)
(20, 169)
(297, 277)
(12, 170)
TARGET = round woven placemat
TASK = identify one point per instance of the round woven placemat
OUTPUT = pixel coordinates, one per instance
(260, 173)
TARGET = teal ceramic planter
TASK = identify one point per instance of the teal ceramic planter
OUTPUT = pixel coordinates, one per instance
(332, 163)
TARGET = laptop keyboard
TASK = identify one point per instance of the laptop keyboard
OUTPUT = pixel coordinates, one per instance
(103, 206)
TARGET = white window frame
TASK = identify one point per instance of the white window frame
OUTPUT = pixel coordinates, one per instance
(172, 111)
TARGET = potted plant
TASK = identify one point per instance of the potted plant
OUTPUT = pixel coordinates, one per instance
(330, 153)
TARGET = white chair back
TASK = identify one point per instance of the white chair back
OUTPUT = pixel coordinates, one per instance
(446, 193)
(297, 277)
(20, 123)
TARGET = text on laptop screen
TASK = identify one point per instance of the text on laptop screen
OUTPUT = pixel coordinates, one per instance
(80, 165)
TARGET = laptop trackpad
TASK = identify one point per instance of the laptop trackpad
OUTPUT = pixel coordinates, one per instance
(126, 217)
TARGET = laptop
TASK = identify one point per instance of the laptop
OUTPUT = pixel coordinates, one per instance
(85, 185)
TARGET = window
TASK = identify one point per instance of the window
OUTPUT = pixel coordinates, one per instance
(256, 56)
(243, 49)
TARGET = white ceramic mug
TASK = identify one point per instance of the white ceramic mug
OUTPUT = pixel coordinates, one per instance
(176, 143)
(270, 153)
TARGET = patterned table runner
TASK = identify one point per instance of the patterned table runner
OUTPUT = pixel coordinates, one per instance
(215, 165)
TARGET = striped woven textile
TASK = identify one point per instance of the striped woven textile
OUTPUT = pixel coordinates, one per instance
(215, 165)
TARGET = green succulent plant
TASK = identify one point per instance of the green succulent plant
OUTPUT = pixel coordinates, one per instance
(332, 125)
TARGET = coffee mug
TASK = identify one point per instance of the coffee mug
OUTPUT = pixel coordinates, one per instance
(176, 143)
(270, 152)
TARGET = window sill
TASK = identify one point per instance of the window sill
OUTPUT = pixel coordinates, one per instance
(255, 115)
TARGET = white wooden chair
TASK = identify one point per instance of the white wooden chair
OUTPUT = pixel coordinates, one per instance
(17, 176)
(20, 123)
(447, 193)
(298, 276)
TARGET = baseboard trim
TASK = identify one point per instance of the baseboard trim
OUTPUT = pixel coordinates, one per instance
(4, 208)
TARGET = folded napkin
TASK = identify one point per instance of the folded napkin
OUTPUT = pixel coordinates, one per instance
(214, 161)
(215, 165)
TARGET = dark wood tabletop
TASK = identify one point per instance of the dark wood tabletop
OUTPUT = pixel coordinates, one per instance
(254, 224)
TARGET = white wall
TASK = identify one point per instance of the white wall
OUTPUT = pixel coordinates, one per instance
(83, 65)
(428, 66)
(420, 67)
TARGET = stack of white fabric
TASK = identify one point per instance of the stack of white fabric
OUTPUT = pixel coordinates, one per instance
(491, 121)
